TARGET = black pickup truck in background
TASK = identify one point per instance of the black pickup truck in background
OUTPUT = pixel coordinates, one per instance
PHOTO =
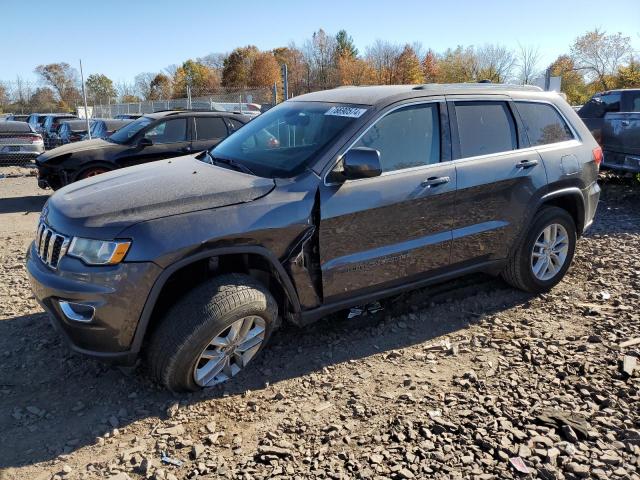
(614, 120)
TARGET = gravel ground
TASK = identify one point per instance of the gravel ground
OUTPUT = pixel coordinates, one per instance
(468, 380)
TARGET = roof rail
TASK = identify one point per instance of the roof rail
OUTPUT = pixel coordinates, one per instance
(480, 86)
(177, 110)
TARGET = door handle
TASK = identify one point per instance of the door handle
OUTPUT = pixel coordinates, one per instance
(434, 181)
(527, 163)
(186, 149)
(625, 123)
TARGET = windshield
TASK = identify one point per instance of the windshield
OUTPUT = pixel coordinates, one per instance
(284, 140)
(128, 131)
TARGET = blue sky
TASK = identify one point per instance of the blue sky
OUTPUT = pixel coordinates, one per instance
(122, 38)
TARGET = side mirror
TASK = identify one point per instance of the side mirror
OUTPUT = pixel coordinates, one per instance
(145, 142)
(361, 162)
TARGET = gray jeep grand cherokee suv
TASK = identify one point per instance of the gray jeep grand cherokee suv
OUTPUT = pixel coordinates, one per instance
(329, 200)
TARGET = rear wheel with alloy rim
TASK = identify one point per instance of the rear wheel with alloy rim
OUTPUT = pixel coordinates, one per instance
(549, 252)
(212, 333)
(544, 255)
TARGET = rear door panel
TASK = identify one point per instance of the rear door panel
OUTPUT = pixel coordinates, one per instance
(495, 190)
(492, 201)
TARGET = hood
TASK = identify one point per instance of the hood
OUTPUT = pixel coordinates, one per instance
(76, 147)
(115, 200)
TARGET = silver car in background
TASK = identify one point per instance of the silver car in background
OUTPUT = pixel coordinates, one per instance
(19, 143)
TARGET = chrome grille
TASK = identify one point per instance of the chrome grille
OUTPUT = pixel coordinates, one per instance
(51, 246)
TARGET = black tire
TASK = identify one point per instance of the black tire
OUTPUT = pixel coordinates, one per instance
(199, 316)
(518, 271)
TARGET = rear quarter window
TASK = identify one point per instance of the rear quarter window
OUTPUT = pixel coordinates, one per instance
(543, 123)
(485, 128)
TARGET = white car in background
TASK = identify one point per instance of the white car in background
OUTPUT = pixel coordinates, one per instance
(19, 143)
(250, 109)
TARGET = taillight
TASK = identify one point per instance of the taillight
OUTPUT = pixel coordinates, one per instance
(29, 138)
(597, 156)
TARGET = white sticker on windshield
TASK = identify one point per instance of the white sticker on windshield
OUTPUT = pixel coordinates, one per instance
(352, 112)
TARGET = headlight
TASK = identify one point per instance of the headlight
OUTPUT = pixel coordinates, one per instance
(98, 252)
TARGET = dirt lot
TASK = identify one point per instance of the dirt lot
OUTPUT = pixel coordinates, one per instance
(446, 382)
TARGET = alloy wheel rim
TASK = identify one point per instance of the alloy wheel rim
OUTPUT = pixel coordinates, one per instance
(229, 351)
(94, 172)
(549, 252)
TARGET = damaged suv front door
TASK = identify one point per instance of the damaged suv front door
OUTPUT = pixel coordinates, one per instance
(393, 228)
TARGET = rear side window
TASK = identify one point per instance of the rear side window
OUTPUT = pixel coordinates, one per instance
(634, 101)
(599, 105)
(485, 128)
(543, 123)
(611, 102)
(210, 128)
(408, 137)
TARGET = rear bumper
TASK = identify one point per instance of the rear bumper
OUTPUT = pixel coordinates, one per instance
(591, 196)
(622, 162)
(19, 153)
(117, 295)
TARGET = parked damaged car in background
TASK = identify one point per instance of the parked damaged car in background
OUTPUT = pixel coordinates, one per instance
(365, 193)
(50, 126)
(105, 127)
(68, 132)
(149, 138)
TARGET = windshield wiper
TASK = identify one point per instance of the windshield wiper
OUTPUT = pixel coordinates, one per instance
(231, 163)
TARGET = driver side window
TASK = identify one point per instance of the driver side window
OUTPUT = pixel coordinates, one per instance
(407, 137)
(171, 131)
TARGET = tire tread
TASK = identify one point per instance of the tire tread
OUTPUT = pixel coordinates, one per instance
(191, 316)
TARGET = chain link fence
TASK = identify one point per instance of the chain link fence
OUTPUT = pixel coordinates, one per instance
(244, 101)
(24, 97)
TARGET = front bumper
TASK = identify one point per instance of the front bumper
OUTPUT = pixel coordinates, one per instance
(117, 293)
(49, 177)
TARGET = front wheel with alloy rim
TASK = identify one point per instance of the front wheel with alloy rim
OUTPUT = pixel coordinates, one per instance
(545, 254)
(92, 172)
(212, 333)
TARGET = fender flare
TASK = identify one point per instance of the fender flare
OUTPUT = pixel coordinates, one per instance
(566, 192)
(563, 192)
(152, 298)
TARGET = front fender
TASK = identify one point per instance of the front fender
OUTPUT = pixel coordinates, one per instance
(150, 303)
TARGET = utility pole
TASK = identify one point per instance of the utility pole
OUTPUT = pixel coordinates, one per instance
(84, 96)
(547, 78)
(285, 82)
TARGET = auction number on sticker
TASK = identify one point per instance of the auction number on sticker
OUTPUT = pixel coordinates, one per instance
(352, 112)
